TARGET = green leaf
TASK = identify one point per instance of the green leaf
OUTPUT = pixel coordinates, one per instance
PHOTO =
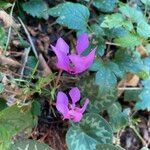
(3, 104)
(143, 29)
(36, 108)
(32, 61)
(116, 32)
(132, 95)
(117, 118)
(106, 75)
(12, 121)
(29, 145)
(144, 102)
(108, 147)
(146, 2)
(92, 130)
(3, 37)
(73, 15)
(132, 13)
(36, 8)
(113, 21)
(5, 5)
(99, 99)
(129, 40)
(96, 28)
(130, 61)
(146, 62)
(104, 5)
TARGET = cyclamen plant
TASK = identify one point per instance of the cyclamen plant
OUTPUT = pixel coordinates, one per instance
(71, 111)
(73, 63)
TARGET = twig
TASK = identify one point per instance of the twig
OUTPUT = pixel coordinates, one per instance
(90, 3)
(29, 37)
(10, 29)
(130, 88)
(8, 61)
(24, 60)
(110, 43)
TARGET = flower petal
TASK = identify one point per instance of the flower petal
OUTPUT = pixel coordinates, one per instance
(62, 103)
(62, 46)
(82, 110)
(82, 63)
(75, 95)
(82, 43)
(62, 59)
(75, 116)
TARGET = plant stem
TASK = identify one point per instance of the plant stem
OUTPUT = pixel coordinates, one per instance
(29, 37)
(139, 136)
(58, 77)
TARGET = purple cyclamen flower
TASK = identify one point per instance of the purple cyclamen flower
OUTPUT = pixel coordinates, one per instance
(71, 111)
(73, 63)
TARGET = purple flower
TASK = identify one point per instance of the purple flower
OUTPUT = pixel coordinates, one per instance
(73, 63)
(71, 111)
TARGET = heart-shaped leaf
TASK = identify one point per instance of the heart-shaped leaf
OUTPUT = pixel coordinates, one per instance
(92, 130)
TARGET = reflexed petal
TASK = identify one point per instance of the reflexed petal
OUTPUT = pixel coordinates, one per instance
(75, 116)
(75, 95)
(62, 46)
(82, 110)
(82, 43)
(62, 103)
(82, 63)
(62, 59)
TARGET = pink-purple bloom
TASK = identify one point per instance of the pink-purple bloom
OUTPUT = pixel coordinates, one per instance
(70, 110)
(73, 63)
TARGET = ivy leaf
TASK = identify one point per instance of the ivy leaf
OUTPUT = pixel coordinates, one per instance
(92, 130)
(117, 118)
(104, 5)
(129, 40)
(30, 144)
(36, 8)
(144, 102)
(73, 15)
(132, 13)
(108, 147)
(99, 99)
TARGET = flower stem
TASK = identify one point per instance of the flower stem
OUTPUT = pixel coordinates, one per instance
(58, 77)
(139, 136)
